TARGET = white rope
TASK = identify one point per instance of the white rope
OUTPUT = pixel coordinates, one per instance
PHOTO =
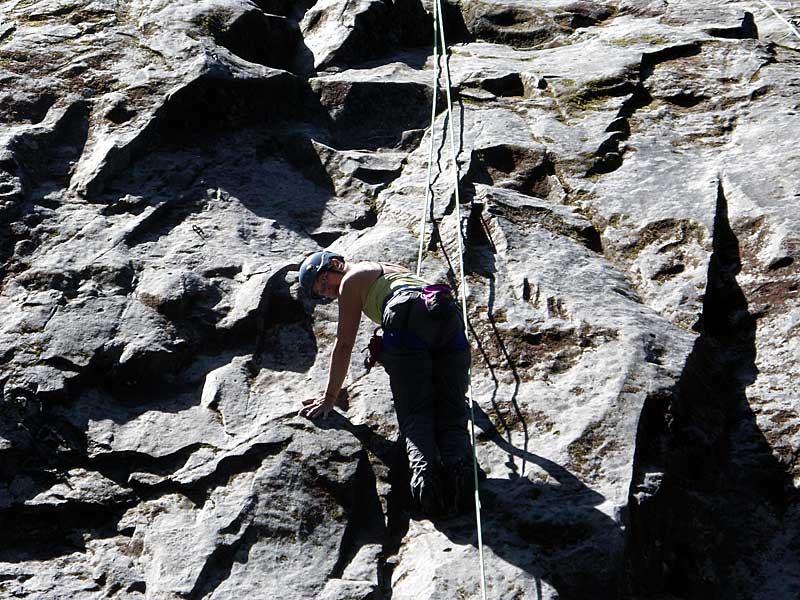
(438, 19)
(428, 190)
(777, 14)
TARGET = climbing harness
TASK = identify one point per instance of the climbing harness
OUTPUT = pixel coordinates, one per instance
(439, 38)
(777, 14)
(373, 350)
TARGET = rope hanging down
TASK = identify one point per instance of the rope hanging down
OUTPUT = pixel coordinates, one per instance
(777, 14)
(439, 38)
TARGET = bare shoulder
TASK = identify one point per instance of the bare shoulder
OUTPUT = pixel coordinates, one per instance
(393, 268)
(371, 270)
(361, 275)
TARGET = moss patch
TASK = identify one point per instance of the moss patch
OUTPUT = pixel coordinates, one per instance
(214, 23)
(646, 39)
(528, 352)
(587, 452)
(682, 231)
(597, 92)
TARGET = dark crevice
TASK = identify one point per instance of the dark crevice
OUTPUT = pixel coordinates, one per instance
(477, 230)
(45, 532)
(120, 113)
(63, 364)
(49, 156)
(669, 272)
(261, 38)
(506, 17)
(507, 85)
(519, 168)
(301, 153)
(650, 60)
(365, 221)
(226, 272)
(282, 7)
(612, 88)
(455, 26)
(781, 263)
(377, 176)
(685, 99)
(398, 505)
(326, 238)
(609, 155)
(137, 586)
(222, 102)
(371, 114)
(582, 14)
(16, 108)
(218, 565)
(7, 33)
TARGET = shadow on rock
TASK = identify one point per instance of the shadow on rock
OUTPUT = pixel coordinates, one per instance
(548, 525)
(549, 528)
(709, 499)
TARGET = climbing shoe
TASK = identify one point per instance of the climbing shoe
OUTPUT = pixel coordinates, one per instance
(427, 495)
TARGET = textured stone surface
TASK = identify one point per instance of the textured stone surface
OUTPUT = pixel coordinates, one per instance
(627, 176)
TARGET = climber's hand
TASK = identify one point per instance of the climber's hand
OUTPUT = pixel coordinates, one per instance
(313, 407)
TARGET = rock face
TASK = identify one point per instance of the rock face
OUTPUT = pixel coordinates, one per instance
(629, 214)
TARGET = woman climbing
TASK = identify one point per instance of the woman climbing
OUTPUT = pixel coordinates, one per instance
(426, 354)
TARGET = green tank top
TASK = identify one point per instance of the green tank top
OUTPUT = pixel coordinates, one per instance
(384, 286)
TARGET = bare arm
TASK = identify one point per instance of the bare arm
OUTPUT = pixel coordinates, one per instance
(346, 331)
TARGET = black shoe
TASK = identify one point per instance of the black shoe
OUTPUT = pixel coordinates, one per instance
(459, 489)
(427, 495)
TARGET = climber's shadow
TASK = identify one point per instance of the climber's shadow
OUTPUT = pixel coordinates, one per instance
(547, 524)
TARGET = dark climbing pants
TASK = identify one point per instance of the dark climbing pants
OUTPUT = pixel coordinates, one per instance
(427, 358)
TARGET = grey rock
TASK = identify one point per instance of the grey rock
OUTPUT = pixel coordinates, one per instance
(393, 99)
(338, 35)
(12, 188)
(627, 211)
(170, 292)
(521, 25)
(81, 486)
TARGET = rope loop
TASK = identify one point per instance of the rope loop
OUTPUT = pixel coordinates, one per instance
(439, 38)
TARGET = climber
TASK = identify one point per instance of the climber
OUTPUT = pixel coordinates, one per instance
(424, 351)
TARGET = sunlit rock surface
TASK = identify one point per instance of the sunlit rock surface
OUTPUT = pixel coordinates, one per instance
(627, 177)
